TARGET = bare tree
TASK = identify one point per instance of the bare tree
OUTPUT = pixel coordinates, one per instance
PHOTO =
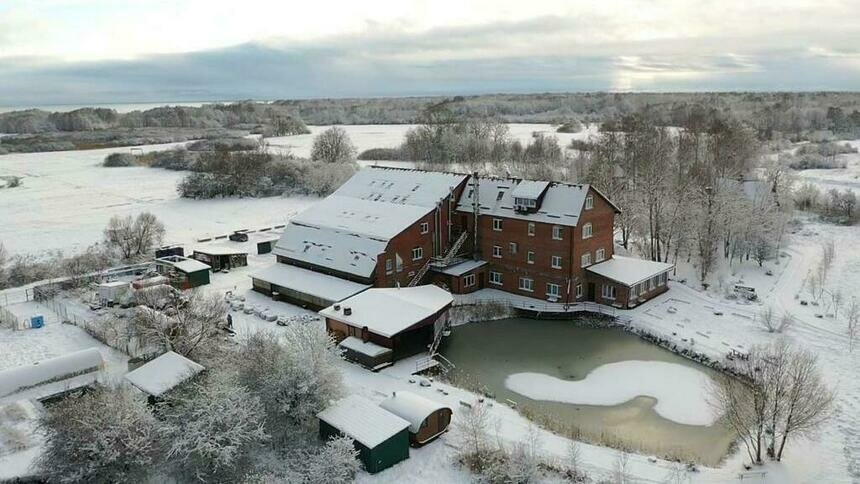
(620, 474)
(473, 437)
(573, 461)
(333, 146)
(852, 317)
(183, 325)
(3, 257)
(767, 318)
(134, 236)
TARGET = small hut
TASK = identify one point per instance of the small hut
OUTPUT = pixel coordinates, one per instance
(54, 376)
(381, 438)
(427, 419)
(184, 273)
(221, 258)
(163, 374)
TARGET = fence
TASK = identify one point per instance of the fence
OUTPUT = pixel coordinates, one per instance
(540, 306)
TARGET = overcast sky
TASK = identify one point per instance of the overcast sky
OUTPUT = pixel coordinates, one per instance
(109, 51)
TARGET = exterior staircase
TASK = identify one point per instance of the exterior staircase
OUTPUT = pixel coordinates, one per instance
(445, 261)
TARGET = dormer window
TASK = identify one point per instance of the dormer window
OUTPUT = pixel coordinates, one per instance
(525, 204)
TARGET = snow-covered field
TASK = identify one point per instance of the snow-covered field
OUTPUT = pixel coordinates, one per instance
(839, 178)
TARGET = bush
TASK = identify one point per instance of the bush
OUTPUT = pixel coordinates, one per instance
(225, 144)
(815, 162)
(570, 127)
(114, 160)
(374, 154)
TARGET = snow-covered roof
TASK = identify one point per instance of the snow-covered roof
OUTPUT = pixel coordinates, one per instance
(163, 373)
(461, 268)
(346, 234)
(114, 284)
(362, 420)
(364, 347)
(388, 311)
(628, 270)
(562, 203)
(412, 408)
(309, 282)
(220, 250)
(22, 377)
(191, 265)
(398, 186)
(530, 189)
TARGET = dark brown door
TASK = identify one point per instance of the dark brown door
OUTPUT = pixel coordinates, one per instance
(591, 291)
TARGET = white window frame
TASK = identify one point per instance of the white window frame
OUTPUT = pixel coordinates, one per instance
(652, 283)
(469, 280)
(530, 257)
(585, 259)
(497, 224)
(579, 291)
(531, 229)
(557, 232)
(608, 292)
(587, 231)
(600, 255)
(512, 248)
(424, 227)
(389, 266)
(642, 288)
(417, 253)
(530, 287)
(663, 278)
(589, 202)
(496, 278)
(556, 293)
(555, 262)
(497, 251)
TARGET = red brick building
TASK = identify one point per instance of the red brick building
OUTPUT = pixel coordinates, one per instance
(391, 227)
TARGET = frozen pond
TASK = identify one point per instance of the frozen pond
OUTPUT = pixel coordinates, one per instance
(608, 384)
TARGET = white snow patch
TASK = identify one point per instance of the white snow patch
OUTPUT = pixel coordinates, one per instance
(680, 391)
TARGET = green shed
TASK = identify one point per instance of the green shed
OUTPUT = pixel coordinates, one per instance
(380, 437)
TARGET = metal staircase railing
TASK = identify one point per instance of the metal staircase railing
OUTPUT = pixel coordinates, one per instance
(444, 261)
(420, 274)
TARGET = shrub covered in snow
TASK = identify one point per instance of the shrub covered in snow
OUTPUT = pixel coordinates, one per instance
(119, 160)
(104, 435)
(212, 428)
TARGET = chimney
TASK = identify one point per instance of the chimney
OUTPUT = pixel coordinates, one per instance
(347, 311)
(337, 307)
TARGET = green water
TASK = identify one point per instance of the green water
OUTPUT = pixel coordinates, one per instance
(486, 353)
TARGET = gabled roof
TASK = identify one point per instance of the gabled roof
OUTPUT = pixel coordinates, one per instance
(400, 186)
(346, 234)
(362, 420)
(309, 282)
(163, 373)
(629, 270)
(388, 311)
(562, 202)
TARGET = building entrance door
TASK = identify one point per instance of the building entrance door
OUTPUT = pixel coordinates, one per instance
(591, 291)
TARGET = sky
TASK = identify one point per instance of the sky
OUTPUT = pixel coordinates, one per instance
(112, 51)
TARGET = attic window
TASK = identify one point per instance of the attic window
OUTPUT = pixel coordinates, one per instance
(500, 195)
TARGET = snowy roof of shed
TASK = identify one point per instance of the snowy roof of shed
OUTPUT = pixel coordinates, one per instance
(23, 377)
(412, 408)
(562, 203)
(461, 268)
(362, 420)
(388, 311)
(367, 348)
(309, 282)
(163, 373)
(190, 265)
(220, 250)
(628, 270)
(399, 186)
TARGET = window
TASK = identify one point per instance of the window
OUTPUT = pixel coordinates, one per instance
(556, 232)
(469, 280)
(527, 284)
(599, 255)
(641, 287)
(553, 290)
(496, 278)
(530, 257)
(608, 292)
(531, 229)
(586, 259)
(500, 195)
(513, 247)
(589, 202)
(425, 227)
(389, 266)
(652, 283)
(663, 279)
(417, 253)
(497, 224)
(556, 262)
(497, 251)
(586, 231)
(578, 291)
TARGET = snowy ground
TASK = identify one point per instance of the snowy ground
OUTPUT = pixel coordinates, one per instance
(841, 178)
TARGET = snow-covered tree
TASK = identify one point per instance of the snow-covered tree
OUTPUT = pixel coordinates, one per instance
(212, 428)
(186, 323)
(134, 236)
(472, 435)
(103, 435)
(294, 374)
(333, 146)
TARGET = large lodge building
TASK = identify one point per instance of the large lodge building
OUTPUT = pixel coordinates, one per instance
(390, 227)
